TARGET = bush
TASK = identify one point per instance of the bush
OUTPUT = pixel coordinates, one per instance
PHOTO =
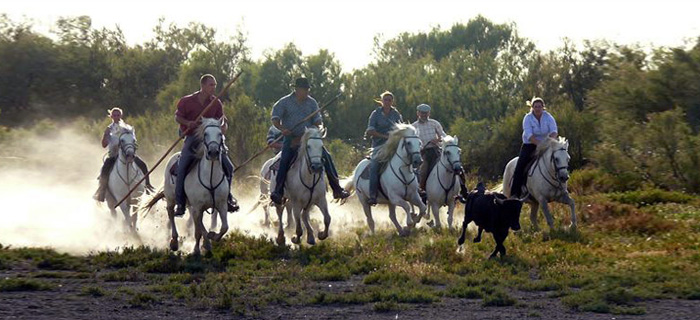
(642, 198)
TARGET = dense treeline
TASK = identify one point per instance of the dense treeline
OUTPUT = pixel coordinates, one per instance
(632, 113)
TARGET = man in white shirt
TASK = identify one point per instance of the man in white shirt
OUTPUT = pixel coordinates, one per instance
(430, 133)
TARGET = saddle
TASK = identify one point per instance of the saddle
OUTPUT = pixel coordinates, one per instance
(365, 175)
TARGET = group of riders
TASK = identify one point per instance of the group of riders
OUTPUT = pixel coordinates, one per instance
(290, 117)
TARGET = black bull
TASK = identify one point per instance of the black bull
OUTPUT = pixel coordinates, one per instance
(492, 212)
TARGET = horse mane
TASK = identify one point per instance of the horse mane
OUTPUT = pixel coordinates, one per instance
(308, 133)
(448, 140)
(122, 127)
(551, 143)
(200, 135)
(388, 149)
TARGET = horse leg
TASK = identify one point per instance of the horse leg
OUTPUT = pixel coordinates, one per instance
(297, 221)
(323, 206)
(222, 209)
(280, 229)
(266, 209)
(170, 207)
(566, 199)
(214, 219)
(392, 216)
(126, 211)
(305, 213)
(450, 211)
(547, 214)
(206, 245)
(534, 206)
(416, 200)
(368, 213)
(290, 215)
(197, 231)
(435, 208)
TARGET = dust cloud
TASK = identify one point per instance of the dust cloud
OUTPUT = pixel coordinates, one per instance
(46, 188)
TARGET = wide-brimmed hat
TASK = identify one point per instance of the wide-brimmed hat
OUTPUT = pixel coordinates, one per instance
(423, 107)
(301, 83)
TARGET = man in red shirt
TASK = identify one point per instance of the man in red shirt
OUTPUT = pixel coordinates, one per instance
(188, 109)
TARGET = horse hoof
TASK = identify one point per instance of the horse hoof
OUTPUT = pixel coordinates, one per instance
(322, 235)
(174, 244)
(311, 241)
(431, 223)
(212, 235)
(295, 240)
(280, 241)
(405, 232)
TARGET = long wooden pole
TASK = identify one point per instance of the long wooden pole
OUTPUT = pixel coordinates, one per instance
(182, 135)
(292, 128)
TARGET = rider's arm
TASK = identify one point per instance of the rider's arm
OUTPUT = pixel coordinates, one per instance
(371, 126)
(105, 138)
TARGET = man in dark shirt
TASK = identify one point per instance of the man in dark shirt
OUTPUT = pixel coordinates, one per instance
(188, 109)
(382, 120)
(286, 114)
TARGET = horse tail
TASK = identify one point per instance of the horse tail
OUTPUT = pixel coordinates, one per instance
(151, 201)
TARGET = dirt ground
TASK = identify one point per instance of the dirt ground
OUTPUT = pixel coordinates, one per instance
(67, 302)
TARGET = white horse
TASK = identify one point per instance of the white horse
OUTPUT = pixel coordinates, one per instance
(398, 180)
(442, 185)
(546, 180)
(206, 187)
(305, 186)
(264, 197)
(124, 176)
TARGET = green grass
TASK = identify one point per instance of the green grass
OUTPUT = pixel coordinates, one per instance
(24, 284)
(621, 256)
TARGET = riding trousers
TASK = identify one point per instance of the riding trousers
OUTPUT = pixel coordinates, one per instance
(527, 151)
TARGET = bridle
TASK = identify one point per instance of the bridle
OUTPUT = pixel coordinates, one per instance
(408, 163)
(217, 145)
(557, 184)
(447, 169)
(316, 176)
(124, 147)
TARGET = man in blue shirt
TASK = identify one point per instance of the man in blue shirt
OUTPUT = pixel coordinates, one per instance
(381, 122)
(288, 112)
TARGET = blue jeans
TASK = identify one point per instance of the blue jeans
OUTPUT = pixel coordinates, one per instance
(289, 152)
(186, 157)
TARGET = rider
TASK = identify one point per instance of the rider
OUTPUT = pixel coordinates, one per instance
(538, 124)
(111, 141)
(188, 109)
(430, 133)
(272, 134)
(286, 115)
(382, 120)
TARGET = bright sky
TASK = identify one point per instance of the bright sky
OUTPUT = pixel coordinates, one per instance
(347, 28)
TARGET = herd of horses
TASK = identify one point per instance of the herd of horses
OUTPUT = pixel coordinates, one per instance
(206, 186)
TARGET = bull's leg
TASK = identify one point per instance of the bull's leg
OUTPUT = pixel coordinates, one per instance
(323, 206)
(499, 236)
(534, 206)
(462, 238)
(478, 235)
(392, 216)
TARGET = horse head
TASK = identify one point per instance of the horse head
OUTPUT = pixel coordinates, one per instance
(312, 149)
(212, 137)
(558, 157)
(452, 154)
(127, 142)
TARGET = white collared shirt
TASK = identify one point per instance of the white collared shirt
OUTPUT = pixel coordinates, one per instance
(429, 130)
(539, 129)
